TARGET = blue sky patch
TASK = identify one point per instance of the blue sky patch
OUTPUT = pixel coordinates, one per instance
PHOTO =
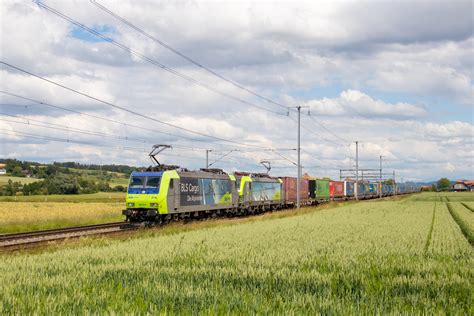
(83, 35)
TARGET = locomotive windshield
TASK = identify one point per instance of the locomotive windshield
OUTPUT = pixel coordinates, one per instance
(144, 184)
(153, 182)
(137, 182)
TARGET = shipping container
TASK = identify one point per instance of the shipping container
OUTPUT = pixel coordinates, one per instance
(349, 188)
(387, 189)
(362, 190)
(373, 189)
(336, 189)
(366, 189)
(290, 190)
(322, 189)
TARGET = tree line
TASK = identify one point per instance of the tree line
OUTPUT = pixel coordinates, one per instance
(18, 168)
(59, 183)
(58, 178)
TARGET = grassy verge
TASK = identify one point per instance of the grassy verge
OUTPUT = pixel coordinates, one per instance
(29, 216)
(4, 179)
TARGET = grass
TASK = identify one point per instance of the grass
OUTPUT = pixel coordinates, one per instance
(105, 197)
(468, 205)
(29, 216)
(38, 212)
(444, 197)
(403, 257)
(464, 218)
(24, 180)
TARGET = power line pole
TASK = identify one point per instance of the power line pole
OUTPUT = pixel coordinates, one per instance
(299, 158)
(394, 184)
(298, 184)
(357, 171)
(207, 158)
(380, 183)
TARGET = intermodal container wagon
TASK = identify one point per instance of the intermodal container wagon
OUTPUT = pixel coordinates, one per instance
(336, 189)
(290, 190)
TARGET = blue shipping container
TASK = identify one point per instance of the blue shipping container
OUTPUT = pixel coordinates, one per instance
(349, 188)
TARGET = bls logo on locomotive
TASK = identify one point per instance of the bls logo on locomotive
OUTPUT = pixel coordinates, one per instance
(190, 188)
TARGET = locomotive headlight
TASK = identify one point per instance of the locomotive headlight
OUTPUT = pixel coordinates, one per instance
(153, 204)
(131, 204)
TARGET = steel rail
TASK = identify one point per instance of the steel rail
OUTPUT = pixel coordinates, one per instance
(29, 239)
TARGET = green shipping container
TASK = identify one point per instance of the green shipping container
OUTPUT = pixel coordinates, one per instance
(322, 189)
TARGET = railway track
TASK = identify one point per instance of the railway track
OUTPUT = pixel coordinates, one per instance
(25, 240)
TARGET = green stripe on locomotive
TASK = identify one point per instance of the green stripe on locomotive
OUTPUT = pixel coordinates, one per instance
(243, 181)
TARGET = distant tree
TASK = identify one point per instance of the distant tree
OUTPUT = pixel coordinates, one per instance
(17, 171)
(11, 188)
(35, 188)
(443, 184)
(62, 184)
(40, 173)
(433, 188)
(87, 186)
(103, 186)
(388, 182)
(51, 170)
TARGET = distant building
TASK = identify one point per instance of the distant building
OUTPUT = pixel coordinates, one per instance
(3, 169)
(463, 185)
(426, 188)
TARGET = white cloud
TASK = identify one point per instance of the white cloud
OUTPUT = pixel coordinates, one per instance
(353, 102)
(449, 167)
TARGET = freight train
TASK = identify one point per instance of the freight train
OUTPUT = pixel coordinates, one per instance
(174, 193)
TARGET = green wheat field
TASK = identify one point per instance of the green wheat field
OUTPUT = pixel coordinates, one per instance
(412, 255)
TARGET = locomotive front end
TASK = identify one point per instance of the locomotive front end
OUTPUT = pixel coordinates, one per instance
(143, 196)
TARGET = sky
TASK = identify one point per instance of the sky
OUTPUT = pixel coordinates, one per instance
(227, 76)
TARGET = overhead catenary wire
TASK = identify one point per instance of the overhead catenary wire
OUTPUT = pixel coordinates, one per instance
(37, 102)
(189, 59)
(127, 110)
(67, 140)
(322, 160)
(150, 60)
(328, 130)
(318, 135)
(127, 148)
(68, 128)
(105, 118)
(62, 127)
(126, 138)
